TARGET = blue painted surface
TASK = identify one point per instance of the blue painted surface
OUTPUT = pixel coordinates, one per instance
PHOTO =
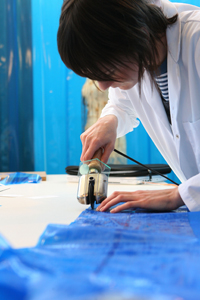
(16, 101)
(50, 90)
(75, 117)
(132, 255)
(193, 2)
(57, 95)
(25, 86)
(4, 157)
(13, 90)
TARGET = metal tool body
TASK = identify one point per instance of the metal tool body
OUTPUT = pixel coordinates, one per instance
(93, 180)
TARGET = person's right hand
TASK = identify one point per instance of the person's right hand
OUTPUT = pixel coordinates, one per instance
(100, 135)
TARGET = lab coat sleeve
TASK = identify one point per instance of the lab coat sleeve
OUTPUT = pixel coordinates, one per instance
(190, 189)
(190, 193)
(120, 106)
(197, 59)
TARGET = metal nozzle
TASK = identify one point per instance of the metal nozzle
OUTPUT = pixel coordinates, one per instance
(93, 182)
(100, 188)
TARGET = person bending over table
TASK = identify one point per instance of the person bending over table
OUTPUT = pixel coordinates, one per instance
(147, 53)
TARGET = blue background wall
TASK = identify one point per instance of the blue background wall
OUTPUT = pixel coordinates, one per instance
(16, 86)
(41, 110)
(57, 95)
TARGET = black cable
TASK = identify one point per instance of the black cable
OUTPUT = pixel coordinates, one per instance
(154, 171)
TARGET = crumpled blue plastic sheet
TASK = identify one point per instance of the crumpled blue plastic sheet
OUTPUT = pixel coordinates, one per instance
(133, 255)
(19, 178)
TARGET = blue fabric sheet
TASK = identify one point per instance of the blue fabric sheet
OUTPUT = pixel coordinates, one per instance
(20, 178)
(133, 255)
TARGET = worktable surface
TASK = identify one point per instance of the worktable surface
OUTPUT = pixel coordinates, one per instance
(27, 209)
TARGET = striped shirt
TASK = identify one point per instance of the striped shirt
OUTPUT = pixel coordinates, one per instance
(162, 82)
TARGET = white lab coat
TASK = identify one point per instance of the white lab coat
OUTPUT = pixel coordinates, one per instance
(180, 143)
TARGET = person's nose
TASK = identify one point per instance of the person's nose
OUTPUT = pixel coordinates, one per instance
(104, 85)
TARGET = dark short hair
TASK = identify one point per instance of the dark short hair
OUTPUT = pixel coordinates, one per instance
(94, 36)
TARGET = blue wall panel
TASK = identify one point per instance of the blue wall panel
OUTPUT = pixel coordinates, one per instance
(57, 95)
(25, 85)
(49, 81)
(193, 2)
(75, 117)
(16, 103)
(50, 90)
(4, 157)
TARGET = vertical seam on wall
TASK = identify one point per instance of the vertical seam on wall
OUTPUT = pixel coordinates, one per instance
(67, 115)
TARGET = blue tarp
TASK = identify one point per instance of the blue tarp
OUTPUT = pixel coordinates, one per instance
(133, 255)
(20, 178)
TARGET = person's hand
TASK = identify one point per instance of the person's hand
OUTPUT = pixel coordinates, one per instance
(100, 135)
(159, 200)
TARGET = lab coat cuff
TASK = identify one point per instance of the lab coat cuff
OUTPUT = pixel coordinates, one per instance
(124, 123)
(190, 195)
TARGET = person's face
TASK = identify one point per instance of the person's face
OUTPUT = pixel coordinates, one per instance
(126, 78)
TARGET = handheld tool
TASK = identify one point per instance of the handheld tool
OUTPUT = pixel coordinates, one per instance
(93, 180)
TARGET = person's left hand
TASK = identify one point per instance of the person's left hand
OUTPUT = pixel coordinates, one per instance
(160, 200)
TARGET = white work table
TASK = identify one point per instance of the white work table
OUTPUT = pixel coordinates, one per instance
(27, 209)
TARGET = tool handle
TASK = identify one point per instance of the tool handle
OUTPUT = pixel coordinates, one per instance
(95, 164)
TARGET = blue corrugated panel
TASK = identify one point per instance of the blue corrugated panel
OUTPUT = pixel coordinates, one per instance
(57, 95)
(16, 87)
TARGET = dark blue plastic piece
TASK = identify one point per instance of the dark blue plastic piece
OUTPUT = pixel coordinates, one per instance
(19, 178)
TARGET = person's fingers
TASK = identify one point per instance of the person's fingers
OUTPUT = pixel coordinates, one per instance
(141, 199)
(101, 134)
(85, 144)
(90, 147)
(107, 200)
(160, 200)
(107, 151)
(88, 143)
(91, 141)
(110, 204)
(116, 198)
(82, 137)
(127, 205)
(115, 194)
